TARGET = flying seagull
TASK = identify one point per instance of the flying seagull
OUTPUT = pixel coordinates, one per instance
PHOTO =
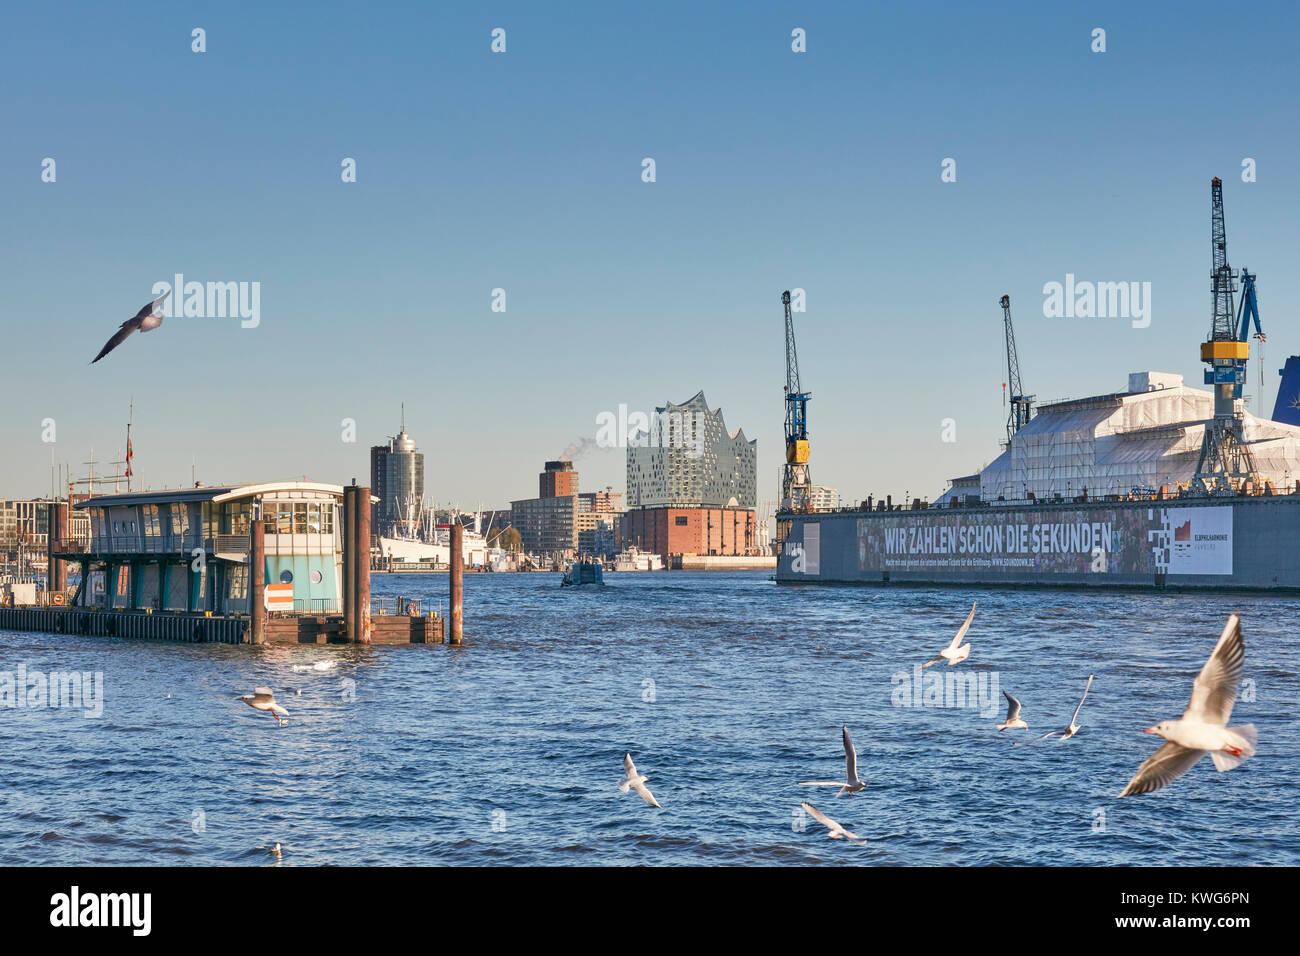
(952, 653)
(1067, 732)
(263, 699)
(150, 317)
(1013, 720)
(635, 781)
(837, 831)
(850, 784)
(1203, 727)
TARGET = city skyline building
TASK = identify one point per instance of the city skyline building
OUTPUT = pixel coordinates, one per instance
(397, 480)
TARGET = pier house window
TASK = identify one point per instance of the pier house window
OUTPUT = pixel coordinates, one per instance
(327, 518)
(284, 518)
(241, 517)
(152, 526)
(237, 582)
(180, 516)
(300, 517)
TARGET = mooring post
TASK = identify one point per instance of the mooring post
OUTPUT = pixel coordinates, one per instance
(349, 553)
(361, 567)
(457, 581)
(257, 581)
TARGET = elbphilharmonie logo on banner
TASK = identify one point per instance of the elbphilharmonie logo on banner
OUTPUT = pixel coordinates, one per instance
(1201, 542)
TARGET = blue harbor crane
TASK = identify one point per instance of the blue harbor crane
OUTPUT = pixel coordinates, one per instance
(1021, 404)
(796, 480)
(1225, 461)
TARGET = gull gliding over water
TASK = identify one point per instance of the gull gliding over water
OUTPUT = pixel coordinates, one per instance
(1067, 732)
(952, 653)
(850, 784)
(263, 699)
(150, 317)
(1013, 720)
(1203, 727)
(837, 831)
(635, 781)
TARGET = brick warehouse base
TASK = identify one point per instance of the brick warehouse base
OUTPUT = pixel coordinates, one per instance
(668, 531)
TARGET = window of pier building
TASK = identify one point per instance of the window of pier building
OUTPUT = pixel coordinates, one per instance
(180, 520)
(149, 521)
(237, 582)
(299, 517)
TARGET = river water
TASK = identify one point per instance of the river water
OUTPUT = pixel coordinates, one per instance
(726, 688)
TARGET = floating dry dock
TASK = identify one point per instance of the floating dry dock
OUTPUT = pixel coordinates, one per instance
(1229, 543)
(284, 562)
(1093, 492)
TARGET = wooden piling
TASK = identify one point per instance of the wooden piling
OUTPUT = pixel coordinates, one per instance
(457, 582)
(349, 553)
(257, 582)
(361, 565)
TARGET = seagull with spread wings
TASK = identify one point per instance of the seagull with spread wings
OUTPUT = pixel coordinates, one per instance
(837, 831)
(263, 699)
(956, 652)
(635, 781)
(850, 784)
(1067, 732)
(150, 317)
(1203, 727)
(1013, 720)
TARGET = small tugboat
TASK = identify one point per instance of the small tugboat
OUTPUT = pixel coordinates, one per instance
(583, 572)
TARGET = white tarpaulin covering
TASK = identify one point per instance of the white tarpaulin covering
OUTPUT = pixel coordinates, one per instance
(1112, 444)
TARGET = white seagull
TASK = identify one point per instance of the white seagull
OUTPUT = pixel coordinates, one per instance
(1067, 732)
(635, 781)
(952, 653)
(1013, 720)
(837, 831)
(150, 317)
(850, 784)
(275, 851)
(263, 699)
(1204, 724)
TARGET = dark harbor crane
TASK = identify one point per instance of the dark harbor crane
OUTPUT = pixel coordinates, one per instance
(796, 481)
(1226, 462)
(1021, 404)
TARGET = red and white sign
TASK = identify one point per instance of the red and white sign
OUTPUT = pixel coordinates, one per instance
(279, 597)
(1201, 540)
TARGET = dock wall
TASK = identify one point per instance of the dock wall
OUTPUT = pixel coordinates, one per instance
(1221, 544)
(198, 629)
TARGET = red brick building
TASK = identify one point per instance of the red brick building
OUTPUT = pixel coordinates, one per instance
(559, 480)
(668, 531)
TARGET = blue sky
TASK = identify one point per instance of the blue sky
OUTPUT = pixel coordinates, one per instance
(522, 171)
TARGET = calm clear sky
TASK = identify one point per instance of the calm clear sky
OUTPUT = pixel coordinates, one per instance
(522, 171)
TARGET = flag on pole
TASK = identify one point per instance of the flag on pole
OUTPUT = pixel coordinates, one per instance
(129, 453)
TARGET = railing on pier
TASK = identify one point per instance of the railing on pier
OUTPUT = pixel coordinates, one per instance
(308, 606)
(1136, 494)
(237, 543)
(408, 606)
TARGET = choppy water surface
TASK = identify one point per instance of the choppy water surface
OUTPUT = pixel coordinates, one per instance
(508, 750)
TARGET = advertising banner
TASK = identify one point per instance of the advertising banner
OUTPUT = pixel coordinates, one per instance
(1200, 540)
(1133, 540)
(812, 548)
